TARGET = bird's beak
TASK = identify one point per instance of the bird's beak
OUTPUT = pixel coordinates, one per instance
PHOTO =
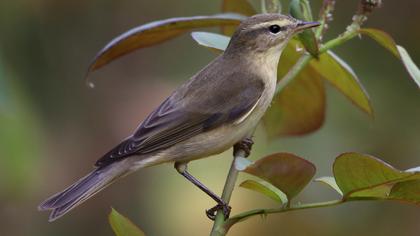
(306, 25)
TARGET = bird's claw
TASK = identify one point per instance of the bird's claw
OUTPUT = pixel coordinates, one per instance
(245, 145)
(211, 213)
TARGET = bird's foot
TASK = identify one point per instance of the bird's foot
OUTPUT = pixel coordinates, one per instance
(211, 213)
(245, 145)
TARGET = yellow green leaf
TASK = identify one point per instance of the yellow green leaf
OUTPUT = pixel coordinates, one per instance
(408, 191)
(122, 226)
(265, 189)
(364, 176)
(330, 182)
(382, 38)
(341, 76)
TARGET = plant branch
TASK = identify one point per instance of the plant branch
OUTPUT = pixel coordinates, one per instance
(325, 15)
(294, 71)
(246, 215)
(227, 193)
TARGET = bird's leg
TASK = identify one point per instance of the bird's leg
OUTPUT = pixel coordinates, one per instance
(245, 145)
(181, 167)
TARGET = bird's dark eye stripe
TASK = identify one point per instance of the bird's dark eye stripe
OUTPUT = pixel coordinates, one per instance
(276, 28)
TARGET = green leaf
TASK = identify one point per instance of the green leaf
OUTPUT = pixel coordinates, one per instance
(330, 182)
(363, 176)
(382, 38)
(408, 191)
(301, 9)
(412, 69)
(386, 41)
(157, 32)
(265, 189)
(286, 171)
(341, 76)
(215, 42)
(122, 226)
(242, 7)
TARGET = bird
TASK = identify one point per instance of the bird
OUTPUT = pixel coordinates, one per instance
(217, 108)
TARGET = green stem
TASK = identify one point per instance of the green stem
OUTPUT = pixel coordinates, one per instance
(346, 36)
(218, 229)
(246, 215)
(326, 10)
(293, 72)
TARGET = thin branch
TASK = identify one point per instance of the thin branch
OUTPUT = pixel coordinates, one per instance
(293, 72)
(218, 229)
(248, 214)
(325, 15)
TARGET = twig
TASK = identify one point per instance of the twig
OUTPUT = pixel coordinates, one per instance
(218, 229)
(246, 215)
(325, 15)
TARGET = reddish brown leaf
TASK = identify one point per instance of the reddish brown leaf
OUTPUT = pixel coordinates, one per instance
(286, 171)
(300, 107)
(157, 32)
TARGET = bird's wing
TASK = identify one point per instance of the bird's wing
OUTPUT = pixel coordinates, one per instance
(191, 110)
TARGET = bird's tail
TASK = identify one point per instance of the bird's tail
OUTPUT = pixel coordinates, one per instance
(83, 189)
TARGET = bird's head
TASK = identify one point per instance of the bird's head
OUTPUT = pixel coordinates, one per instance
(265, 34)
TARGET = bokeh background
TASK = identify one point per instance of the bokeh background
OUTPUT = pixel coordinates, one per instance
(53, 128)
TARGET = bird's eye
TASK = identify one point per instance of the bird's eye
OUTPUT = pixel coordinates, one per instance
(275, 29)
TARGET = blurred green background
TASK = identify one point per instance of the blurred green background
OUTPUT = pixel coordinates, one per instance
(53, 128)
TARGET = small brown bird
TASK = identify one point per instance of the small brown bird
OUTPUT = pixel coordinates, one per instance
(214, 110)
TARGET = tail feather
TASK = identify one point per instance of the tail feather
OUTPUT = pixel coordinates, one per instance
(69, 193)
(86, 187)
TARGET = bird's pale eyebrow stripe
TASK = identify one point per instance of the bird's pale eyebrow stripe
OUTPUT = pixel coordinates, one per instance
(281, 23)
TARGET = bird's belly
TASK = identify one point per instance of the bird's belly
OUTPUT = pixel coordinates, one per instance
(209, 143)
